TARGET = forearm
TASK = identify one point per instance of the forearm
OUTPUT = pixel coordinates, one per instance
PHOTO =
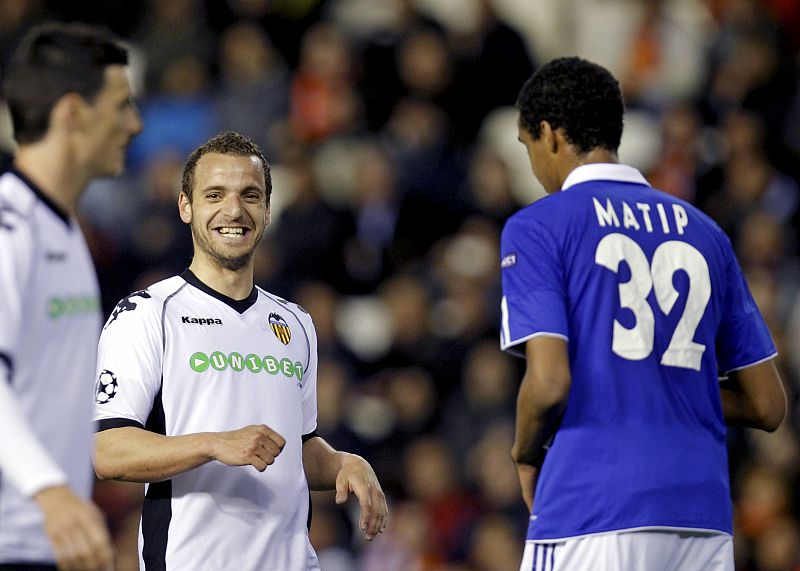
(754, 397)
(537, 420)
(137, 455)
(322, 463)
(23, 459)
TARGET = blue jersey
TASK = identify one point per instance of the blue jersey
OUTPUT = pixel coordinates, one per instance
(648, 294)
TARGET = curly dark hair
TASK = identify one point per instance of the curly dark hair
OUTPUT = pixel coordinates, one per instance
(227, 143)
(575, 95)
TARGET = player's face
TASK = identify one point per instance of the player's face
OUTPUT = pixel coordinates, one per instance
(111, 121)
(228, 211)
(540, 159)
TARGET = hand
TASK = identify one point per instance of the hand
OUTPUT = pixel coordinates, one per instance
(256, 445)
(357, 476)
(76, 530)
(527, 480)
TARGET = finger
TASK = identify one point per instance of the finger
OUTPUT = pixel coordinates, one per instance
(279, 440)
(270, 447)
(79, 550)
(342, 489)
(100, 542)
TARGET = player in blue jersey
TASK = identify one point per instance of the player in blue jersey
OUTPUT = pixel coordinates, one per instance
(627, 304)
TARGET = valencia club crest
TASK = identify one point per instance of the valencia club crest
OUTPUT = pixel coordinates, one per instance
(280, 328)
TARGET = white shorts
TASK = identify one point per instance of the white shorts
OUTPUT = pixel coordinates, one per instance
(646, 550)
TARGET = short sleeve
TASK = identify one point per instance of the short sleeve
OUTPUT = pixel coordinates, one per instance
(534, 297)
(129, 363)
(743, 338)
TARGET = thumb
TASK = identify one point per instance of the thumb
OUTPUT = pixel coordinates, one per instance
(342, 490)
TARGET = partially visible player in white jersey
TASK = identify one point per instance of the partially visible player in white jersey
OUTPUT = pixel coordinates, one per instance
(206, 391)
(70, 103)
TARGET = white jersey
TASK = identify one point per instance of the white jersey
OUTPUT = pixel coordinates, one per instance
(181, 358)
(50, 318)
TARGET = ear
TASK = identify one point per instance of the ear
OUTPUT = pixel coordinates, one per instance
(69, 112)
(549, 136)
(267, 215)
(185, 208)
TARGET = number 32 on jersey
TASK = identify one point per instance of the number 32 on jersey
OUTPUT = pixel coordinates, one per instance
(636, 343)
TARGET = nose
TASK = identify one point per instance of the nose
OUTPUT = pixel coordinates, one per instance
(134, 122)
(232, 206)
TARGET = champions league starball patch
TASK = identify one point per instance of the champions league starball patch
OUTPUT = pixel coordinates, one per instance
(280, 328)
(106, 387)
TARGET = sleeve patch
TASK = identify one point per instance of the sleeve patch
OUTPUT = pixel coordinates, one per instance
(508, 260)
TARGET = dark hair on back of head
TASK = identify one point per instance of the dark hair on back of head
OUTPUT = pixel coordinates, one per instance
(227, 143)
(575, 95)
(54, 59)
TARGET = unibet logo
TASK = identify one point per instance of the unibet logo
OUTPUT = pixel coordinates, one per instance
(219, 361)
(72, 305)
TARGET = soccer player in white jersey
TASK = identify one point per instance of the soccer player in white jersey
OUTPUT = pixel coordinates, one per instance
(626, 303)
(70, 103)
(206, 391)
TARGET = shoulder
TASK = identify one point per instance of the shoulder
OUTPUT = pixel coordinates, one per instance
(16, 204)
(544, 215)
(278, 303)
(145, 303)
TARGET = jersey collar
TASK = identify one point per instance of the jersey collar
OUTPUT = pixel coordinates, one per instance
(604, 171)
(240, 305)
(55, 208)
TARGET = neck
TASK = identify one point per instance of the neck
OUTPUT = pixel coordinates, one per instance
(236, 284)
(596, 155)
(52, 167)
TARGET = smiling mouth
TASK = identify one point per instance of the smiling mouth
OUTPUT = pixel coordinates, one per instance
(232, 231)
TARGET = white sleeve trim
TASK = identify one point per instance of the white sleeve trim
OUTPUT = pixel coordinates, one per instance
(506, 346)
(753, 364)
(23, 459)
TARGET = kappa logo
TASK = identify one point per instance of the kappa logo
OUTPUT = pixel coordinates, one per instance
(53, 256)
(201, 320)
(280, 328)
(127, 304)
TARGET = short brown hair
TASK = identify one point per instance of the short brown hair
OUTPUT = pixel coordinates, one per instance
(227, 143)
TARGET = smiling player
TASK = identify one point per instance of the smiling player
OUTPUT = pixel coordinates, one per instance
(207, 392)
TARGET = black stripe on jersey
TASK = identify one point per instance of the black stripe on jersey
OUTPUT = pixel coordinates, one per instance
(109, 423)
(157, 507)
(309, 436)
(57, 210)
(6, 359)
(240, 305)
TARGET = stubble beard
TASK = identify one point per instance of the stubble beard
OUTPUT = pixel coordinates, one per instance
(231, 263)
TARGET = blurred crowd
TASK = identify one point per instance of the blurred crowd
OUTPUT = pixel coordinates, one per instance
(391, 132)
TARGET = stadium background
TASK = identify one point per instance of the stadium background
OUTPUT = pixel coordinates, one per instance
(391, 130)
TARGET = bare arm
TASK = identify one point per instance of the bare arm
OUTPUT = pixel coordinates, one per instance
(136, 455)
(540, 403)
(754, 397)
(328, 469)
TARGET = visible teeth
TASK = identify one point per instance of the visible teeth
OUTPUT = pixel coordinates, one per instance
(236, 231)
